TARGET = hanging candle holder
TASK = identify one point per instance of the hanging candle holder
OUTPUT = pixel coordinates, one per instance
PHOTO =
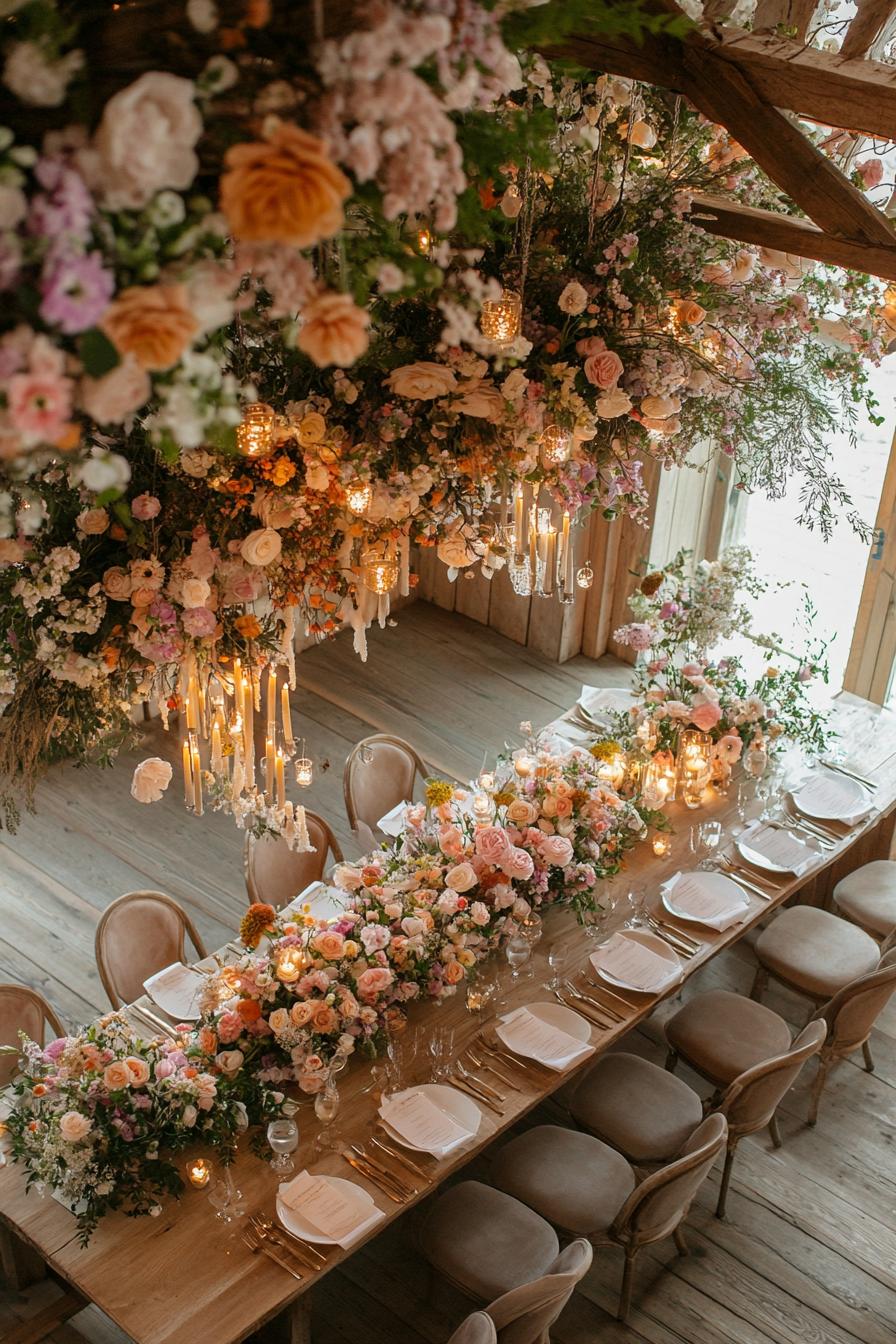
(556, 445)
(255, 435)
(379, 572)
(501, 319)
(359, 497)
(585, 576)
(694, 765)
(304, 769)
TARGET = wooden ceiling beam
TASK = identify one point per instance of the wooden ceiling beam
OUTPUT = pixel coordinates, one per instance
(867, 27)
(785, 233)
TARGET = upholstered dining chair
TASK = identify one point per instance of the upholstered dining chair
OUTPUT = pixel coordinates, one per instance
(23, 1009)
(138, 934)
(478, 1328)
(849, 1018)
(867, 896)
(497, 1251)
(380, 772)
(812, 952)
(585, 1188)
(276, 874)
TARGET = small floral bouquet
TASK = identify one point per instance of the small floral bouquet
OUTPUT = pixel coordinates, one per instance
(96, 1116)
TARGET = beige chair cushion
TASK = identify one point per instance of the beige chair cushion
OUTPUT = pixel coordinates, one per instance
(816, 951)
(869, 896)
(486, 1242)
(578, 1183)
(645, 1112)
(476, 1329)
(723, 1034)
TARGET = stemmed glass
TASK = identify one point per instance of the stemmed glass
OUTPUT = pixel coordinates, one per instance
(326, 1108)
(283, 1136)
(556, 962)
(634, 899)
(517, 950)
(226, 1199)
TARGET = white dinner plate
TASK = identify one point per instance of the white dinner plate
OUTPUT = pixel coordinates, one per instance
(448, 1099)
(564, 1019)
(295, 1223)
(850, 795)
(757, 859)
(713, 882)
(656, 944)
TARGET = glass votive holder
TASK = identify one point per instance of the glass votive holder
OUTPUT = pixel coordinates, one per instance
(661, 844)
(199, 1172)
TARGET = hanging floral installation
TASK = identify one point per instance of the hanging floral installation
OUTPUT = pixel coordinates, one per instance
(277, 313)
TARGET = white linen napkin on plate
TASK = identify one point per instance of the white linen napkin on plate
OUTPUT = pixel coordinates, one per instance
(779, 846)
(829, 799)
(417, 1118)
(328, 1208)
(527, 1034)
(635, 965)
(605, 700)
(393, 822)
(176, 991)
(717, 910)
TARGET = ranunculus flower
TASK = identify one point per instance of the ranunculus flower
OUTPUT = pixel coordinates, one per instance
(146, 140)
(261, 546)
(151, 322)
(151, 779)
(573, 299)
(705, 715)
(145, 506)
(284, 189)
(422, 381)
(334, 330)
(604, 369)
(109, 400)
(73, 1126)
(461, 877)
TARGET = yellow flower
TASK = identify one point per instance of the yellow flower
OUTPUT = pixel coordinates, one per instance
(438, 792)
(772, 673)
(504, 796)
(350, 948)
(606, 751)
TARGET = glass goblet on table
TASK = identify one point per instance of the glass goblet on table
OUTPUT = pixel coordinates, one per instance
(283, 1137)
(517, 950)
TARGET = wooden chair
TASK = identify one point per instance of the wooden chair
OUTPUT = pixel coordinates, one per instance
(849, 1018)
(379, 773)
(138, 934)
(478, 1328)
(867, 896)
(585, 1188)
(276, 874)
(23, 1009)
(813, 952)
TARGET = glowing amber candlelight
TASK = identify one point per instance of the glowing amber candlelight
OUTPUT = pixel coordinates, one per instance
(359, 497)
(290, 965)
(255, 436)
(304, 771)
(501, 319)
(661, 845)
(556, 445)
(199, 1172)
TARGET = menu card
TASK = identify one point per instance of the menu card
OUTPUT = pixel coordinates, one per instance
(777, 845)
(417, 1118)
(329, 1208)
(176, 991)
(633, 964)
(709, 902)
(529, 1035)
(827, 796)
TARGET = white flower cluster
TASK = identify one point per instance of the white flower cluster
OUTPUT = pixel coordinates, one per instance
(47, 579)
(199, 397)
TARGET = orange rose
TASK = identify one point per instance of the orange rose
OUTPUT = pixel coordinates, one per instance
(283, 190)
(324, 1020)
(152, 323)
(454, 972)
(248, 1010)
(334, 330)
(248, 626)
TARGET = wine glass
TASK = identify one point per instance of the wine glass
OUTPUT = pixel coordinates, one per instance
(695, 839)
(556, 962)
(283, 1136)
(220, 1199)
(710, 835)
(531, 928)
(517, 950)
(326, 1108)
(634, 899)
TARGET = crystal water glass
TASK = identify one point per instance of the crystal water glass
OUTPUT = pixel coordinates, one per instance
(326, 1108)
(634, 900)
(517, 950)
(283, 1137)
(710, 835)
(556, 962)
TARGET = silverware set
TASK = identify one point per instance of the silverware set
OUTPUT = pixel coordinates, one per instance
(677, 939)
(850, 774)
(264, 1236)
(760, 886)
(378, 1174)
(476, 1087)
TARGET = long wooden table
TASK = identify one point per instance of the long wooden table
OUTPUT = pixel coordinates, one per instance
(187, 1278)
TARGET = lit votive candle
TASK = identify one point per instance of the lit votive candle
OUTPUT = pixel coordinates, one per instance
(661, 845)
(290, 965)
(199, 1173)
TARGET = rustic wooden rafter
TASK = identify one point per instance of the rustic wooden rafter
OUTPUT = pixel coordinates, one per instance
(868, 27)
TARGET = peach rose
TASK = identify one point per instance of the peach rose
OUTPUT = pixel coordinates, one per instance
(421, 381)
(261, 546)
(521, 812)
(195, 592)
(374, 981)
(323, 1019)
(301, 1013)
(334, 330)
(116, 1076)
(329, 944)
(117, 394)
(279, 1020)
(151, 779)
(705, 715)
(152, 323)
(73, 1126)
(284, 189)
(454, 972)
(461, 877)
(12, 552)
(146, 140)
(604, 369)
(138, 1070)
(689, 312)
(92, 522)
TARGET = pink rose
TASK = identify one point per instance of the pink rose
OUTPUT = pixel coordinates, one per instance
(705, 715)
(451, 842)
(375, 980)
(604, 369)
(691, 670)
(556, 850)
(871, 172)
(230, 1028)
(492, 845)
(145, 506)
(519, 864)
(590, 345)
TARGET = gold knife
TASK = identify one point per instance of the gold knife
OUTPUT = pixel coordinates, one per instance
(471, 1091)
(399, 1157)
(398, 1183)
(369, 1175)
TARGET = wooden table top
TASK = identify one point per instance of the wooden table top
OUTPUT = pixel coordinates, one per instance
(186, 1276)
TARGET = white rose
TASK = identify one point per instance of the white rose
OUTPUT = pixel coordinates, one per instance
(102, 471)
(92, 522)
(573, 299)
(455, 552)
(36, 79)
(146, 140)
(229, 1061)
(73, 1126)
(196, 462)
(151, 779)
(195, 592)
(111, 399)
(189, 1117)
(317, 477)
(275, 509)
(261, 546)
(481, 400)
(461, 877)
(612, 404)
(421, 381)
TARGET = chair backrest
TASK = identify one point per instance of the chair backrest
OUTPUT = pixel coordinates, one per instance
(658, 1204)
(751, 1100)
(275, 873)
(854, 1009)
(138, 934)
(379, 773)
(525, 1314)
(479, 1328)
(23, 1009)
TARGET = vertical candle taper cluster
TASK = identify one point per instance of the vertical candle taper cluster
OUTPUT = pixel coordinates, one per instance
(542, 559)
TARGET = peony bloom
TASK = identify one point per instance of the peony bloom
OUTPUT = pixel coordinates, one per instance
(604, 369)
(421, 381)
(334, 330)
(261, 546)
(573, 299)
(151, 322)
(147, 140)
(705, 715)
(73, 1126)
(284, 189)
(151, 779)
(111, 399)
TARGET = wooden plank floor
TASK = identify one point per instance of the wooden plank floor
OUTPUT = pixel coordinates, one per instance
(808, 1253)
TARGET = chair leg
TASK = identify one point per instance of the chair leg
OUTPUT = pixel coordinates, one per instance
(625, 1295)
(726, 1177)
(760, 981)
(681, 1244)
(869, 1059)
(817, 1089)
(774, 1131)
(672, 1060)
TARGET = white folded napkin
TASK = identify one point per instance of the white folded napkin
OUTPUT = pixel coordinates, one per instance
(176, 990)
(635, 965)
(605, 699)
(777, 845)
(329, 1208)
(828, 797)
(717, 908)
(393, 822)
(417, 1118)
(529, 1035)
